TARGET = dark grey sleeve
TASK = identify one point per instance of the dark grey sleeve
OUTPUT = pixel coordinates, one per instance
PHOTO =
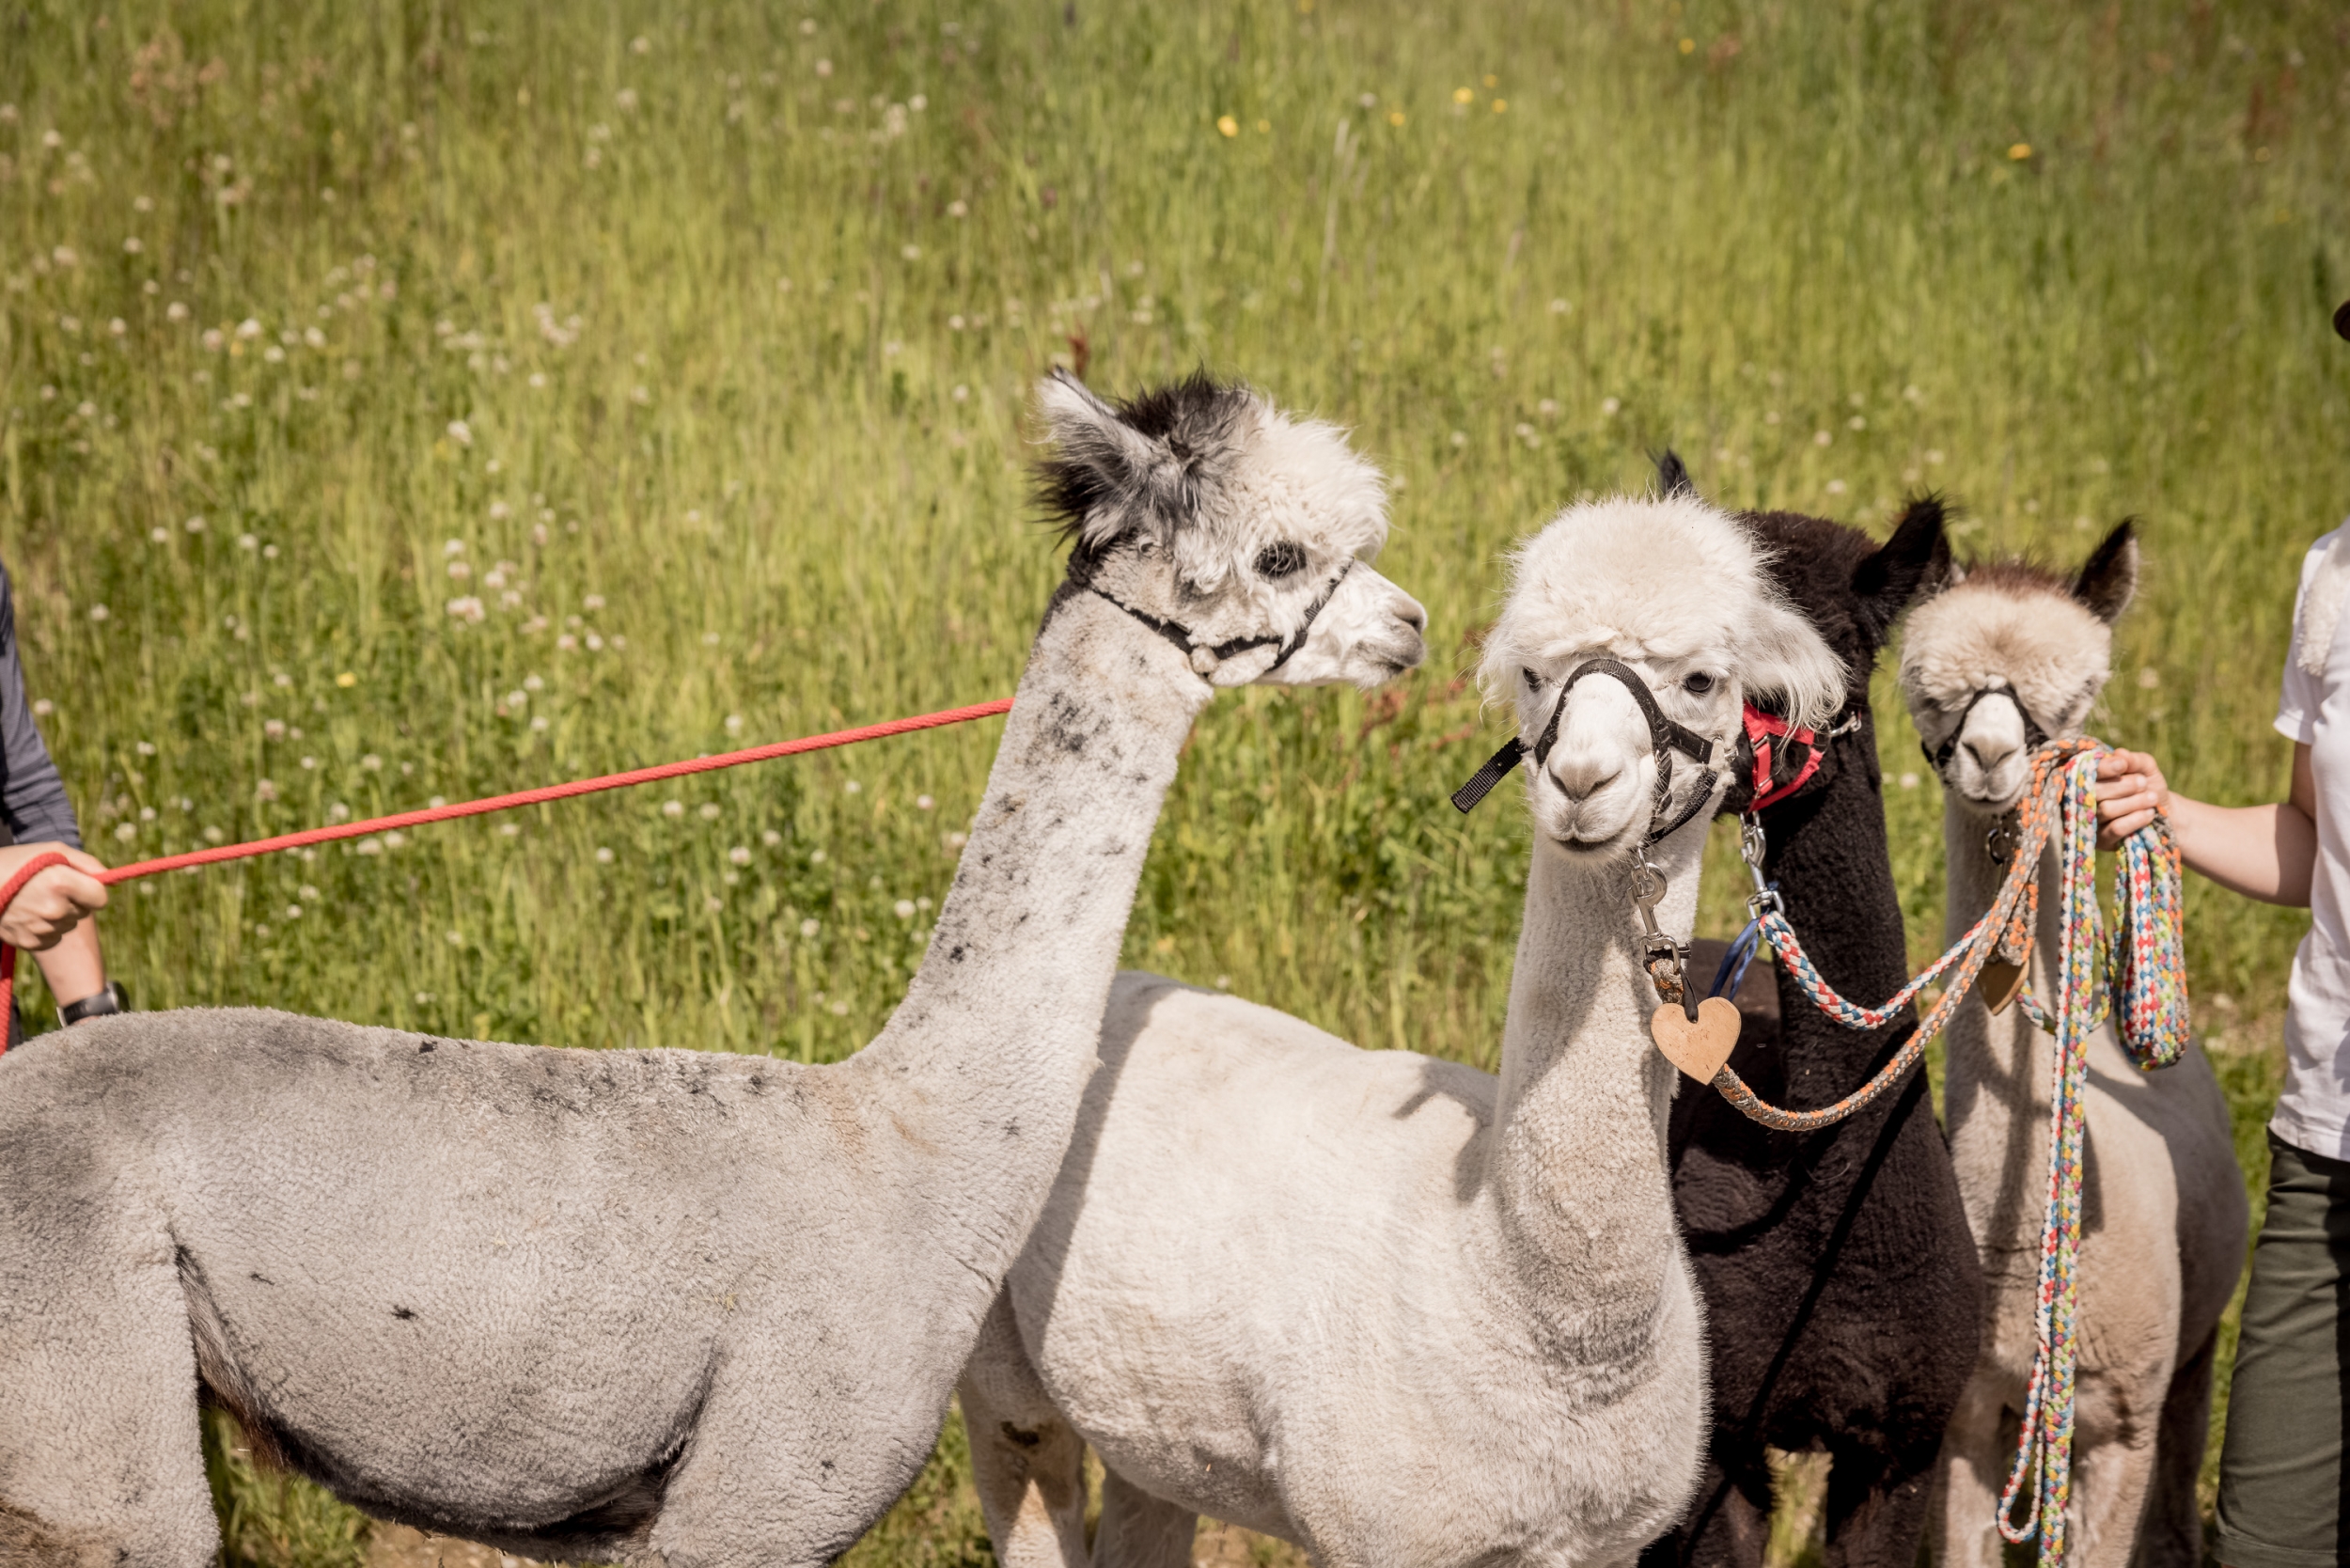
(32, 796)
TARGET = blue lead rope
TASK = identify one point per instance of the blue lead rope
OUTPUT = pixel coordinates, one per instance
(1733, 974)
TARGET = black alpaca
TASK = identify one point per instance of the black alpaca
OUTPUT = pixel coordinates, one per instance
(1842, 1292)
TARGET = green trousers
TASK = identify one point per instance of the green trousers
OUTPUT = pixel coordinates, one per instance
(2281, 1468)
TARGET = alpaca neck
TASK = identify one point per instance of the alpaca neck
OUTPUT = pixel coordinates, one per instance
(1826, 851)
(983, 1063)
(1993, 1075)
(1581, 1185)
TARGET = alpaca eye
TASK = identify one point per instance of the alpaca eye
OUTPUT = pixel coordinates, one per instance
(1277, 561)
(1533, 682)
(1697, 685)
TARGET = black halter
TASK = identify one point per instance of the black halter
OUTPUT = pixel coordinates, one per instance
(1939, 757)
(1187, 643)
(1665, 735)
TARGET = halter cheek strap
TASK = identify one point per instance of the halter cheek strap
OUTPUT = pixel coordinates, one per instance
(1211, 656)
(1665, 736)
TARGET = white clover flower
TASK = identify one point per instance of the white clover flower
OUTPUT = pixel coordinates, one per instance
(673, 810)
(43, 707)
(193, 524)
(467, 609)
(248, 328)
(460, 433)
(459, 571)
(710, 811)
(175, 311)
(810, 928)
(500, 512)
(771, 838)
(739, 855)
(904, 909)
(159, 534)
(604, 856)
(369, 846)
(958, 209)
(314, 337)
(127, 832)
(734, 724)
(99, 612)
(924, 803)
(213, 339)
(394, 839)
(265, 791)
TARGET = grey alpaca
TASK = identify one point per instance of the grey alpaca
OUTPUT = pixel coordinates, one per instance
(659, 1306)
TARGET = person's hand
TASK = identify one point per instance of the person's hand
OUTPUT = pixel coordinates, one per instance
(54, 902)
(2130, 790)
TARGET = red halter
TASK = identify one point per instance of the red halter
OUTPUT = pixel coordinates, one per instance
(1778, 746)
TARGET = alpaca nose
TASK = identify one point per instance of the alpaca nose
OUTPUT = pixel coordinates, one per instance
(1989, 751)
(1412, 616)
(1581, 775)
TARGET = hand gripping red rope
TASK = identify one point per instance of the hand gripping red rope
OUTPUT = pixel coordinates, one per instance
(539, 796)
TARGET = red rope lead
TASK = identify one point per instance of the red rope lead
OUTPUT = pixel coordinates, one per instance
(477, 807)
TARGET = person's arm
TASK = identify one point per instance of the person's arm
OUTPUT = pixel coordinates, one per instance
(2268, 853)
(40, 817)
(74, 968)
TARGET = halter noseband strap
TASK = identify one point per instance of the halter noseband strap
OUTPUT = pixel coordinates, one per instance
(1939, 757)
(1188, 643)
(1665, 736)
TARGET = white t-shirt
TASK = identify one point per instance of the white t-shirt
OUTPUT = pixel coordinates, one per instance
(2313, 1113)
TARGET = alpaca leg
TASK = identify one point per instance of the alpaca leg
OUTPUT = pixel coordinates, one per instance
(1728, 1525)
(1963, 1521)
(1877, 1510)
(1027, 1463)
(101, 1450)
(2111, 1480)
(2172, 1535)
(1139, 1530)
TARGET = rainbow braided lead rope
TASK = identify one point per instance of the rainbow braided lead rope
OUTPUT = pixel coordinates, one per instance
(2012, 915)
(2141, 981)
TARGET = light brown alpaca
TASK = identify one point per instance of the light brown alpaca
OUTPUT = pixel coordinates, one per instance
(2006, 656)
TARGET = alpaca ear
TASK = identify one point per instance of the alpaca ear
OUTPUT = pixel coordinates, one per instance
(1787, 661)
(2110, 579)
(1673, 475)
(1911, 560)
(1104, 465)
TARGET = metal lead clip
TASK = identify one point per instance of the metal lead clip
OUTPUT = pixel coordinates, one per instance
(1750, 847)
(1667, 961)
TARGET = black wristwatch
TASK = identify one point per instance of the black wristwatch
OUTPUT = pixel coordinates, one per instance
(111, 999)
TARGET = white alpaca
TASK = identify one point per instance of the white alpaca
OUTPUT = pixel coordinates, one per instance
(1386, 1306)
(2007, 657)
(666, 1307)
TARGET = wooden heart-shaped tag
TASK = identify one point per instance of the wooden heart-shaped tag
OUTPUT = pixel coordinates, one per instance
(1698, 1049)
(1997, 983)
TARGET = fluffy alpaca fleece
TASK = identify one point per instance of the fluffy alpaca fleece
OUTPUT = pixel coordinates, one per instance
(1837, 1265)
(1389, 1308)
(2165, 1217)
(669, 1308)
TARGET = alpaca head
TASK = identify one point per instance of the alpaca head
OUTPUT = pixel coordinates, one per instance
(1852, 590)
(2009, 654)
(1246, 535)
(1676, 590)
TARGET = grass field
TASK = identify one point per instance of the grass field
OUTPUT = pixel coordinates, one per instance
(428, 400)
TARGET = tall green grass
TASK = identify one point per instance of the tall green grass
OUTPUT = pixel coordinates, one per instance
(694, 346)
